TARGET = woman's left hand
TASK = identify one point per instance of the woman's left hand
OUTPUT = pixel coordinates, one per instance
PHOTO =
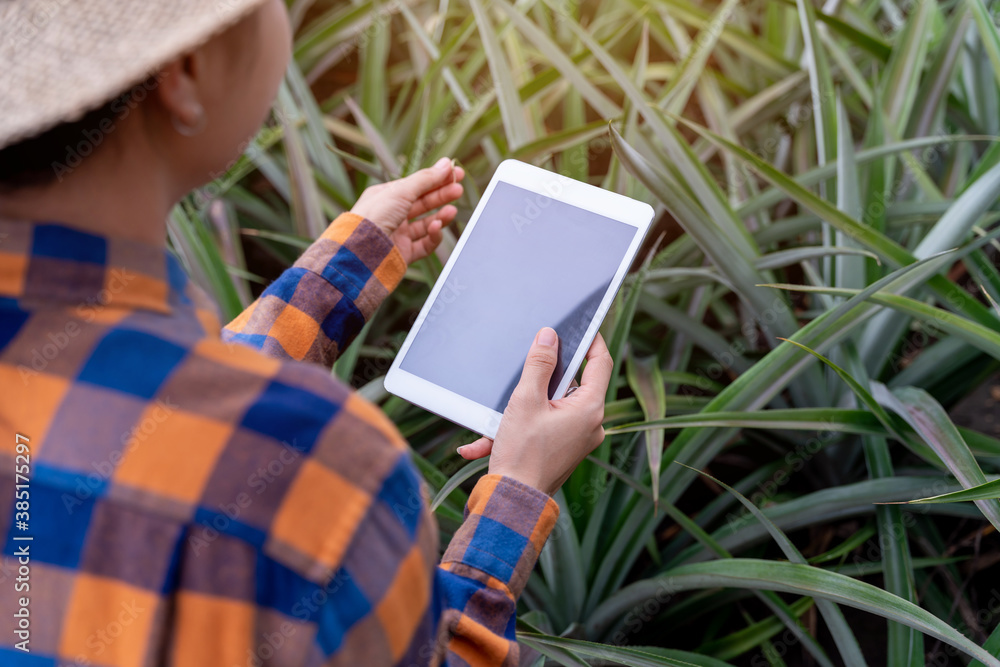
(397, 206)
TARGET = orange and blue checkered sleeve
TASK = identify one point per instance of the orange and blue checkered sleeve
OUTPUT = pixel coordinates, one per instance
(487, 565)
(355, 526)
(314, 310)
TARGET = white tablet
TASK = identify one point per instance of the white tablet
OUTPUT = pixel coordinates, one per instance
(540, 250)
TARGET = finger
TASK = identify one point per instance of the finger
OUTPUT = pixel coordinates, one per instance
(597, 374)
(432, 200)
(445, 215)
(434, 235)
(421, 182)
(417, 229)
(538, 367)
(476, 450)
(427, 244)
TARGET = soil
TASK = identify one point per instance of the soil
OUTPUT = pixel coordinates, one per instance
(980, 410)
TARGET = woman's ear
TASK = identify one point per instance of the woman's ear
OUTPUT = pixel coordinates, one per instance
(180, 94)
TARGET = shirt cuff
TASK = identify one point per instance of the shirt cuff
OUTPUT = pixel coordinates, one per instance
(366, 242)
(506, 526)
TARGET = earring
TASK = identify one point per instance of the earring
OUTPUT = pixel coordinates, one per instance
(186, 130)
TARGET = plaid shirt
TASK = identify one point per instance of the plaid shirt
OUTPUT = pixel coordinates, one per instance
(196, 502)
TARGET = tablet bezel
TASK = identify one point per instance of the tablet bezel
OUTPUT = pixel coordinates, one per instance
(548, 185)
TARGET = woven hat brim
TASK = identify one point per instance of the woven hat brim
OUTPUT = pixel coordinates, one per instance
(60, 59)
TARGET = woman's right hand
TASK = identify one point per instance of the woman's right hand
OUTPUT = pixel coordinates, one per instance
(540, 442)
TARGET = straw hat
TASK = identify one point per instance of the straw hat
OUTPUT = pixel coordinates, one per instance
(60, 59)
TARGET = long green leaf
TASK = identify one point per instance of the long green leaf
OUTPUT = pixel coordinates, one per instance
(985, 21)
(618, 655)
(987, 491)
(514, 124)
(750, 391)
(467, 472)
(580, 81)
(888, 249)
(647, 383)
(846, 642)
(929, 419)
(788, 578)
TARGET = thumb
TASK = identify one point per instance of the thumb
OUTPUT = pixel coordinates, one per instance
(423, 181)
(476, 450)
(538, 367)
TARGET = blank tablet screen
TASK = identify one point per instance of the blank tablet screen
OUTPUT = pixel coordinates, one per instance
(530, 262)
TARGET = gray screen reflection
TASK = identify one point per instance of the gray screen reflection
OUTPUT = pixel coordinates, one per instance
(531, 262)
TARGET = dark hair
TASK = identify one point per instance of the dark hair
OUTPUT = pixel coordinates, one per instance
(47, 157)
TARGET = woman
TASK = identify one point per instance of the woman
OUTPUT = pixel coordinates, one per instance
(187, 494)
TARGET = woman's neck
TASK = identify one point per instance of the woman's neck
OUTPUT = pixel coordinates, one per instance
(112, 192)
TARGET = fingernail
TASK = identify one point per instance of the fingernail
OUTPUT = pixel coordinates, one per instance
(459, 450)
(547, 337)
(442, 163)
